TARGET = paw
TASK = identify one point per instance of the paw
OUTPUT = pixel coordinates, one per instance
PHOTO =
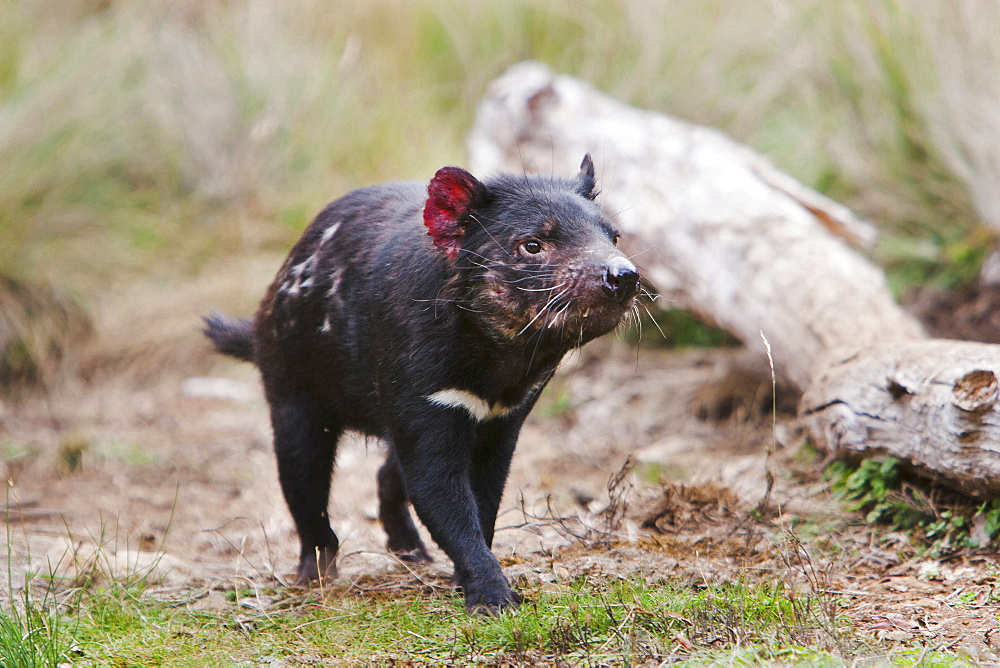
(313, 568)
(492, 601)
(417, 555)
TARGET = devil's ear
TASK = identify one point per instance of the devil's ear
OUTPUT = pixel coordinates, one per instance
(451, 195)
(586, 183)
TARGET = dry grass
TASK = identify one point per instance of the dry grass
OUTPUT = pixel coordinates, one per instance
(37, 330)
(960, 104)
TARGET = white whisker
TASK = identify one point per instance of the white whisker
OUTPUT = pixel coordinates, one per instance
(544, 308)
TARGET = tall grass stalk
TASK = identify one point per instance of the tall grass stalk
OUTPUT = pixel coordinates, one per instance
(32, 632)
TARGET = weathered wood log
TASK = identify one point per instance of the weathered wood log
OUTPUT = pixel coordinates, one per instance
(721, 232)
(931, 403)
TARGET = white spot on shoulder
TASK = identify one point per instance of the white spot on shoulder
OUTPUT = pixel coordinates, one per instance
(480, 409)
(304, 266)
(335, 277)
(326, 325)
(328, 233)
(301, 277)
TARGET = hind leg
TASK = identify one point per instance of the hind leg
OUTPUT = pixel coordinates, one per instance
(403, 537)
(305, 448)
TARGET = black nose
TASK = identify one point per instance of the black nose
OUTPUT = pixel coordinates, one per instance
(621, 280)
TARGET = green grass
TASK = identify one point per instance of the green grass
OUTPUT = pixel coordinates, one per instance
(33, 632)
(589, 621)
(124, 620)
(630, 622)
(751, 619)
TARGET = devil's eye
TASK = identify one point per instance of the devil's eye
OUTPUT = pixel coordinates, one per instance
(531, 247)
(616, 240)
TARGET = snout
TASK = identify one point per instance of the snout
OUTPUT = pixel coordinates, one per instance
(621, 280)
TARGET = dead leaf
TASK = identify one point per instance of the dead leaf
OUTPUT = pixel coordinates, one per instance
(904, 624)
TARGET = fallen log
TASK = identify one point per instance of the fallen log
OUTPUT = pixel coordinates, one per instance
(720, 231)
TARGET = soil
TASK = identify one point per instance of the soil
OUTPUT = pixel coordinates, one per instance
(173, 474)
(970, 314)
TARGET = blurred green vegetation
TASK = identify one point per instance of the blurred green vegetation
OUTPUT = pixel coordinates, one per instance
(160, 137)
(676, 328)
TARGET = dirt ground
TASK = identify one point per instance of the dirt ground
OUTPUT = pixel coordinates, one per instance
(176, 475)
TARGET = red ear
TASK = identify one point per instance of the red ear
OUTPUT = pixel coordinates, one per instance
(451, 194)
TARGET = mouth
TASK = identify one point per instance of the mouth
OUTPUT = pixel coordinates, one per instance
(568, 313)
(578, 326)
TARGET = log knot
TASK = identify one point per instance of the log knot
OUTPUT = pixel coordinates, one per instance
(897, 390)
(976, 391)
(842, 427)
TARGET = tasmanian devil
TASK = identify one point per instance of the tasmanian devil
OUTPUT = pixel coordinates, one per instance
(431, 317)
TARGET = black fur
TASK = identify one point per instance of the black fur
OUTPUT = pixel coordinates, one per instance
(435, 335)
(230, 336)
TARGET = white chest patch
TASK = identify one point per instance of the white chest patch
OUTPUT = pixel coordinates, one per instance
(480, 409)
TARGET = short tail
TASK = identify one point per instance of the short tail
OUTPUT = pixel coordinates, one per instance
(231, 336)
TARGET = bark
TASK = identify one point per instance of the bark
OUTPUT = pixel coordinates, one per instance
(720, 231)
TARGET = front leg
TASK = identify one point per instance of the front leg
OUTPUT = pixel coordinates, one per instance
(435, 455)
(495, 442)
